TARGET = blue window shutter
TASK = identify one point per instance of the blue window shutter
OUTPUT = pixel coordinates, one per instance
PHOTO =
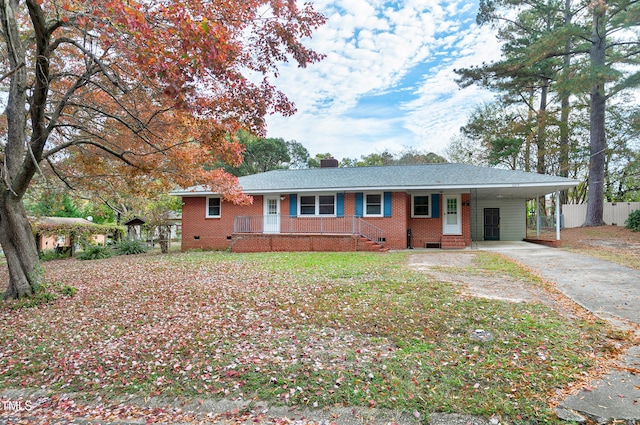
(293, 205)
(435, 205)
(359, 204)
(340, 204)
(387, 204)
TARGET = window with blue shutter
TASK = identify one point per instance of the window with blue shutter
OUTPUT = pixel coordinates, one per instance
(373, 205)
(425, 205)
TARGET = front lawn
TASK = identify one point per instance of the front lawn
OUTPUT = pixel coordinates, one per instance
(315, 329)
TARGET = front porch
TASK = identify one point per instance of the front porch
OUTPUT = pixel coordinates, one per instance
(275, 232)
(297, 225)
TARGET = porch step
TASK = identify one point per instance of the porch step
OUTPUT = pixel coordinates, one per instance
(368, 245)
(452, 242)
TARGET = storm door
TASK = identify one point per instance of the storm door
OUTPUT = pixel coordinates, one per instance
(272, 215)
(492, 224)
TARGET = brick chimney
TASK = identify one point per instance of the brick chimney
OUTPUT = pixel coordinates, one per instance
(330, 162)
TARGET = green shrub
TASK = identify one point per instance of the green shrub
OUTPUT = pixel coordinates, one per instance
(46, 292)
(633, 222)
(50, 254)
(130, 247)
(68, 290)
(95, 252)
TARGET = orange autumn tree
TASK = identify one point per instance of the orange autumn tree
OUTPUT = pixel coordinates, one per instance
(108, 92)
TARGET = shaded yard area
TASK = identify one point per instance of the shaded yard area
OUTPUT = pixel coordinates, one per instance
(310, 329)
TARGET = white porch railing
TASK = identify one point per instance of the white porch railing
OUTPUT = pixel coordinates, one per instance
(369, 231)
(347, 225)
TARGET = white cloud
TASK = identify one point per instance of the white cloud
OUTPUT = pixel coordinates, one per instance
(441, 107)
(380, 50)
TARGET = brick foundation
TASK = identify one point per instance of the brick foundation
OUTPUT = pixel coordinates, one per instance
(301, 243)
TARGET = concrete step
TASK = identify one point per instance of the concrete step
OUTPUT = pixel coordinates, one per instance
(452, 242)
(367, 245)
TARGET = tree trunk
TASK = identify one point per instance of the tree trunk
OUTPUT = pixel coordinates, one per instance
(564, 144)
(608, 184)
(541, 135)
(565, 105)
(164, 235)
(541, 142)
(597, 137)
(527, 145)
(19, 246)
(17, 169)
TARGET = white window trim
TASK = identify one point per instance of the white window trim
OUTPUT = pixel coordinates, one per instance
(317, 205)
(364, 206)
(430, 213)
(206, 211)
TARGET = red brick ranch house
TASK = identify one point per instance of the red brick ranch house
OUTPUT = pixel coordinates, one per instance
(366, 208)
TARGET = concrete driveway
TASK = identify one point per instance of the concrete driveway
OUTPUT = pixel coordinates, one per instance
(611, 292)
(602, 287)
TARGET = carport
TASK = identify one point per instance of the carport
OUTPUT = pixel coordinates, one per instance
(500, 213)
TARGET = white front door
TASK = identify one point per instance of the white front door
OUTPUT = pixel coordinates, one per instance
(272, 214)
(452, 220)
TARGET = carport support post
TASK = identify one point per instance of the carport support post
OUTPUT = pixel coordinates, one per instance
(558, 206)
(537, 216)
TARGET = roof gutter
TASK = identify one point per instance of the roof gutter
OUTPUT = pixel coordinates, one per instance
(551, 185)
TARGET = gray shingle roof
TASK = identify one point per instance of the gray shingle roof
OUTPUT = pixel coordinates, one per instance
(70, 221)
(397, 177)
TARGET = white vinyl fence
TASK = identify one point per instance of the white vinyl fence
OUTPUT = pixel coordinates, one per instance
(615, 213)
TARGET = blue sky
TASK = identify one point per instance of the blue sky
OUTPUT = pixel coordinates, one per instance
(387, 81)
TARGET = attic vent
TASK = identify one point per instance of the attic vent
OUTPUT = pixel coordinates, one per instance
(329, 163)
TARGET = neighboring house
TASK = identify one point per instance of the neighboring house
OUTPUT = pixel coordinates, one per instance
(346, 209)
(175, 219)
(62, 240)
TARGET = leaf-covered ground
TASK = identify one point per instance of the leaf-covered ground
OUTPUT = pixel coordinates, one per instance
(312, 329)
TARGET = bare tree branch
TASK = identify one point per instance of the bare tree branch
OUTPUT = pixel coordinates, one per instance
(58, 175)
(13, 71)
(112, 76)
(63, 103)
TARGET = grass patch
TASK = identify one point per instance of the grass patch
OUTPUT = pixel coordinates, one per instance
(313, 329)
(46, 293)
(492, 262)
(489, 263)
